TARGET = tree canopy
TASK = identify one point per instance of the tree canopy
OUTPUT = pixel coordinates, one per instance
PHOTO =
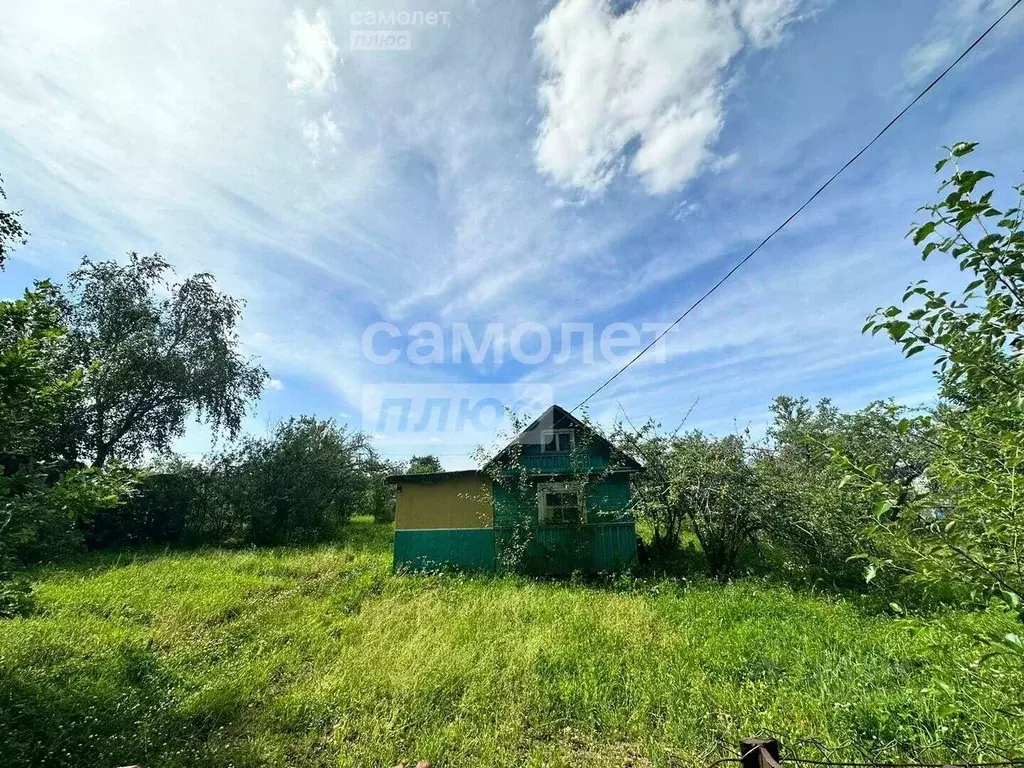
(12, 234)
(42, 494)
(153, 353)
(424, 465)
(968, 528)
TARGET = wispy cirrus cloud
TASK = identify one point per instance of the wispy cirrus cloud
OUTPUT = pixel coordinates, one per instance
(563, 162)
(954, 24)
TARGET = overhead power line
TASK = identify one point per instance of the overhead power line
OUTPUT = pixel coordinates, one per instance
(809, 200)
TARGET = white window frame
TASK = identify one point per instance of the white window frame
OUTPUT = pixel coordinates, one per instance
(556, 432)
(543, 489)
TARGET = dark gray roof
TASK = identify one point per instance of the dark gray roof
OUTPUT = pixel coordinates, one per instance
(426, 478)
(556, 417)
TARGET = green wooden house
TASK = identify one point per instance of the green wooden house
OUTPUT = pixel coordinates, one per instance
(557, 499)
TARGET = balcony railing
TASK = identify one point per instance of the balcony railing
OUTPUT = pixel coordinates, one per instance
(556, 463)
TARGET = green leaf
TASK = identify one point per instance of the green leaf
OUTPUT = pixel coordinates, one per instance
(988, 241)
(923, 231)
(941, 164)
(897, 328)
(962, 148)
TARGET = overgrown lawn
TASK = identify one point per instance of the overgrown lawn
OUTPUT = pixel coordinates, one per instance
(310, 657)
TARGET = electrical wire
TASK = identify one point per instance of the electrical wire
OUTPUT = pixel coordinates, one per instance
(809, 200)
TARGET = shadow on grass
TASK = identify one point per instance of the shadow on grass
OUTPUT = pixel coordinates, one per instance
(116, 709)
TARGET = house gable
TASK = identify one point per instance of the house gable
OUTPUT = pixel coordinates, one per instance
(551, 444)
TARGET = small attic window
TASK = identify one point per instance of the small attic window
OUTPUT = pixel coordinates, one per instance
(557, 441)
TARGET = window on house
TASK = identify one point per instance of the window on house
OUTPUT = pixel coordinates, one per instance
(560, 504)
(557, 441)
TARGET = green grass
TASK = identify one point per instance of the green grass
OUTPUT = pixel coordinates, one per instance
(309, 657)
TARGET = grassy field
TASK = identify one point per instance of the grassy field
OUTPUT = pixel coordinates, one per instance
(309, 657)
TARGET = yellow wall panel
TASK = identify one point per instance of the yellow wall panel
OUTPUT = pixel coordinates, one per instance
(463, 501)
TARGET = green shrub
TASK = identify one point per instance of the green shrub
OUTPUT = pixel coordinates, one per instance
(379, 499)
(170, 506)
(301, 484)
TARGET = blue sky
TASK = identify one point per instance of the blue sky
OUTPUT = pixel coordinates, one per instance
(545, 163)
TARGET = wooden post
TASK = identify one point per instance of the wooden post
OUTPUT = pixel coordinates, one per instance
(751, 755)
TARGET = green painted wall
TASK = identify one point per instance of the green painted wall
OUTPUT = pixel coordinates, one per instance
(470, 548)
(607, 542)
(515, 503)
(564, 549)
(608, 500)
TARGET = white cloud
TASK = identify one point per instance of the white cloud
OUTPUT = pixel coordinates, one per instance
(275, 384)
(321, 133)
(120, 123)
(764, 21)
(927, 58)
(956, 23)
(154, 127)
(310, 53)
(684, 208)
(724, 163)
(653, 76)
